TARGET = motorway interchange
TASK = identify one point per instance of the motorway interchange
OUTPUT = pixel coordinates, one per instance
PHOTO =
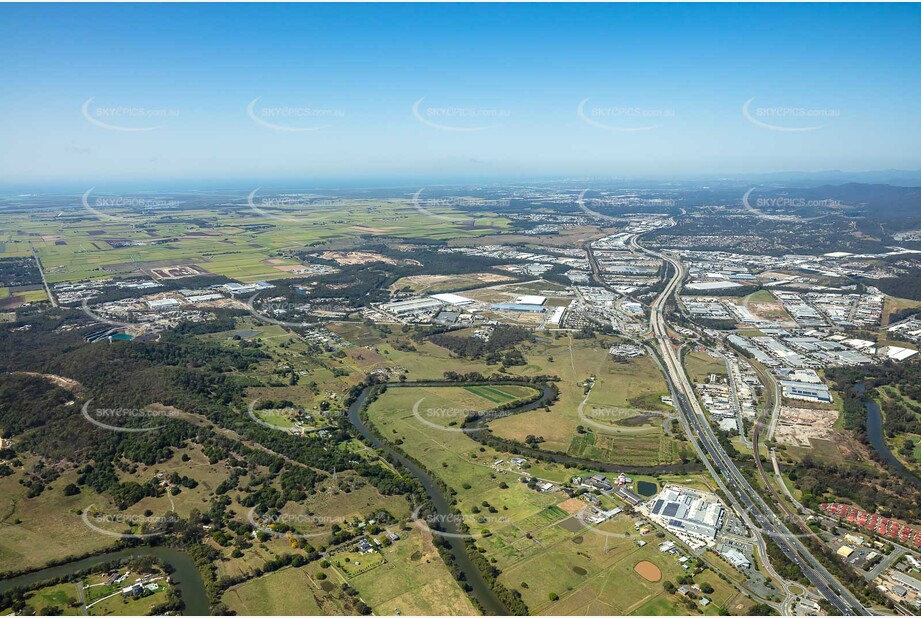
(747, 502)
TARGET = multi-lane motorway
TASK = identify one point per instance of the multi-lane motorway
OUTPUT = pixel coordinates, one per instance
(730, 479)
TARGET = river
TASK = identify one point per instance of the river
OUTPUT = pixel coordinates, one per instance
(481, 589)
(877, 438)
(185, 575)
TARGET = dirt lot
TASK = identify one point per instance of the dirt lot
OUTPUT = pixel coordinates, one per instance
(648, 571)
(799, 426)
(355, 257)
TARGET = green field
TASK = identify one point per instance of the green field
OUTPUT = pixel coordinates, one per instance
(700, 364)
(34, 531)
(61, 597)
(287, 592)
(413, 580)
(525, 533)
(234, 241)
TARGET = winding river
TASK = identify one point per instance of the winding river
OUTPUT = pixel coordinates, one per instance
(185, 575)
(191, 587)
(877, 437)
(479, 431)
(480, 588)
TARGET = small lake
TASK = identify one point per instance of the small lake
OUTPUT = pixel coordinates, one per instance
(646, 489)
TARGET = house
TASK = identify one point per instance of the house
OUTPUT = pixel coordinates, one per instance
(364, 546)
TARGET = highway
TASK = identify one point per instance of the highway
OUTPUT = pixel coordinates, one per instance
(41, 271)
(727, 475)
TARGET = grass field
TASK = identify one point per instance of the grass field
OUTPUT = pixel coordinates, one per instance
(525, 533)
(34, 531)
(234, 240)
(61, 597)
(286, 592)
(412, 581)
(352, 564)
(700, 364)
(123, 606)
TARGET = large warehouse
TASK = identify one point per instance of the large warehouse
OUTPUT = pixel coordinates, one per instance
(683, 510)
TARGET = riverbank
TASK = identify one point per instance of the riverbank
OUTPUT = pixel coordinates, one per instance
(184, 574)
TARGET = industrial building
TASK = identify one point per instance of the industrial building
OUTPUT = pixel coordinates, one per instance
(806, 392)
(413, 305)
(686, 511)
(453, 299)
(530, 300)
(736, 558)
(518, 307)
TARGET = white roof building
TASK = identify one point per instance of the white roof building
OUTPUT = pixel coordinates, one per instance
(529, 299)
(162, 303)
(452, 299)
(896, 353)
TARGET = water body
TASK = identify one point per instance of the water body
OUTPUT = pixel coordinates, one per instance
(481, 589)
(877, 437)
(646, 489)
(185, 575)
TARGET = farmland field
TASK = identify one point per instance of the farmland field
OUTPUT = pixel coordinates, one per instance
(525, 532)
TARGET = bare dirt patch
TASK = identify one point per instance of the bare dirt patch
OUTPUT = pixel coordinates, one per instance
(65, 383)
(355, 257)
(177, 272)
(648, 571)
(572, 506)
(799, 426)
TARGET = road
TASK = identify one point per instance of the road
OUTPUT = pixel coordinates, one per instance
(41, 271)
(887, 561)
(731, 480)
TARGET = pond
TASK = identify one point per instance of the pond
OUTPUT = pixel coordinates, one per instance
(646, 489)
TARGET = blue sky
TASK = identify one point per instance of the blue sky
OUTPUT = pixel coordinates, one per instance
(501, 87)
